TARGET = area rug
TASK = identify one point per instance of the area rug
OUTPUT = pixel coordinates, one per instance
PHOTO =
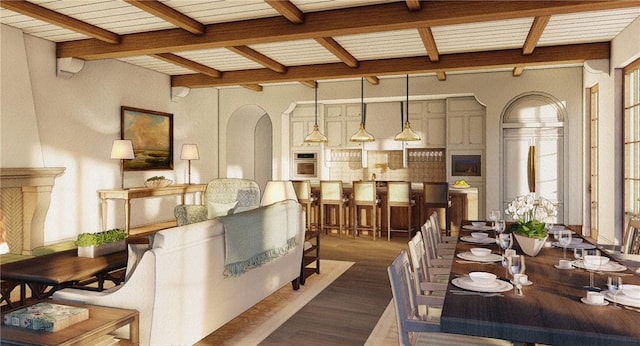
(385, 333)
(255, 324)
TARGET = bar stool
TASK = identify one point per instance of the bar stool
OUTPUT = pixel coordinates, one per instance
(364, 197)
(308, 201)
(332, 198)
(436, 195)
(399, 196)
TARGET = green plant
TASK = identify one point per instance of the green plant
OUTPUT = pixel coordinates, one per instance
(157, 177)
(95, 239)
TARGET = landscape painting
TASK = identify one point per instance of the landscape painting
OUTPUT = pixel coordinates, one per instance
(151, 134)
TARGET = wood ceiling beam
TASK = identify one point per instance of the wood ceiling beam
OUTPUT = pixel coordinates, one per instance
(189, 64)
(254, 87)
(442, 76)
(349, 21)
(310, 83)
(170, 15)
(539, 23)
(373, 80)
(429, 44)
(336, 49)
(517, 71)
(258, 58)
(55, 18)
(448, 62)
(287, 9)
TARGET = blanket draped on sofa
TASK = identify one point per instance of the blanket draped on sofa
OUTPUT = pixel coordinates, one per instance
(258, 236)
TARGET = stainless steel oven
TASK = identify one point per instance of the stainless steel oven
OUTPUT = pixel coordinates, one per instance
(305, 165)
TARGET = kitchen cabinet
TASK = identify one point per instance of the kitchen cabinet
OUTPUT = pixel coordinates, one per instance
(341, 122)
(465, 123)
(301, 124)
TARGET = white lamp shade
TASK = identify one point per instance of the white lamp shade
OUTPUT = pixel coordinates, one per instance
(189, 152)
(278, 190)
(122, 149)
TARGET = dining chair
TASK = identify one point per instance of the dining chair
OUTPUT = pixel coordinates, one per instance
(399, 196)
(308, 201)
(435, 221)
(333, 206)
(425, 276)
(417, 329)
(365, 198)
(628, 253)
(436, 195)
(437, 255)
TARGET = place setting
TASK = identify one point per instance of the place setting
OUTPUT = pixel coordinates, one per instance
(478, 226)
(478, 238)
(483, 282)
(479, 255)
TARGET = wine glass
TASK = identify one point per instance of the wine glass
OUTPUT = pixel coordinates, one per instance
(564, 240)
(504, 240)
(591, 266)
(505, 260)
(615, 286)
(578, 253)
(515, 267)
(494, 215)
(499, 226)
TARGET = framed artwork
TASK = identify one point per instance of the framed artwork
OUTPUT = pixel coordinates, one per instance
(466, 165)
(151, 134)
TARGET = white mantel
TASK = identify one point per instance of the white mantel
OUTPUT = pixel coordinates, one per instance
(24, 201)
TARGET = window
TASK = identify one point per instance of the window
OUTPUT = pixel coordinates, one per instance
(632, 139)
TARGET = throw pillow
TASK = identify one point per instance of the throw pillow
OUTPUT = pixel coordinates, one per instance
(219, 209)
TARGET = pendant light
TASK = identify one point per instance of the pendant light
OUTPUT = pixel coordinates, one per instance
(362, 135)
(407, 134)
(316, 136)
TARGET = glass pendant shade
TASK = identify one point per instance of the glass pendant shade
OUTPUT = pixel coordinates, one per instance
(407, 133)
(316, 136)
(362, 135)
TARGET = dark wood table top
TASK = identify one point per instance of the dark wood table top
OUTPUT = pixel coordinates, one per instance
(61, 267)
(551, 311)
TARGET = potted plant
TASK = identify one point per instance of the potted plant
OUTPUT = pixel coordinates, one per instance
(101, 243)
(530, 213)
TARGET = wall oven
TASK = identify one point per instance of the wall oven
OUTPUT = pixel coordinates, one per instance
(305, 165)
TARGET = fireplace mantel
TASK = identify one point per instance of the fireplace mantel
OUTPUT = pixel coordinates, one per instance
(25, 199)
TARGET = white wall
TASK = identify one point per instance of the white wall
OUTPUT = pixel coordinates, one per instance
(76, 120)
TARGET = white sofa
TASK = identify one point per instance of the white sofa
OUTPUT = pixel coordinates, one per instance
(179, 286)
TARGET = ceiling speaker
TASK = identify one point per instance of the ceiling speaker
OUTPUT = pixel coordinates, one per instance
(68, 67)
(179, 92)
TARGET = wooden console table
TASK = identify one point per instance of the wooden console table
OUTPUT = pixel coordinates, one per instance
(102, 321)
(143, 192)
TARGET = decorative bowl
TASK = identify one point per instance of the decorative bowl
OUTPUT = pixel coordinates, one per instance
(480, 252)
(483, 278)
(594, 262)
(478, 223)
(152, 184)
(479, 235)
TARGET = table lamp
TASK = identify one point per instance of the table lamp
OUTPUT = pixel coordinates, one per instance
(189, 152)
(278, 190)
(122, 149)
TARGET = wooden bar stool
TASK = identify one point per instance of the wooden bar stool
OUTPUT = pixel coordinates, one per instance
(308, 201)
(364, 198)
(436, 195)
(332, 197)
(399, 196)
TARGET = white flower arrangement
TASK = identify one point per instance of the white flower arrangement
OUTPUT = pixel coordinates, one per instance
(531, 212)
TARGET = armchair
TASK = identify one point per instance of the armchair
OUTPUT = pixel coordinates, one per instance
(222, 196)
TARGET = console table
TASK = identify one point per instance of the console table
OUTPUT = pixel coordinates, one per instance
(143, 192)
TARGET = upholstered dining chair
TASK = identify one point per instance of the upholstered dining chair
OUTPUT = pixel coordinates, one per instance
(308, 201)
(364, 197)
(414, 329)
(436, 195)
(332, 197)
(399, 196)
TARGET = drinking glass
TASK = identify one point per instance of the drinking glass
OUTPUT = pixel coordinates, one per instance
(515, 267)
(504, 240)
(564, 240)
(499, 226)
(615, 286)
(494, 216)
(577, 253)
(505, 260)
(591, 267)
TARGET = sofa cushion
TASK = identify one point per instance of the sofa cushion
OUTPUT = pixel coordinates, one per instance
(215, 209)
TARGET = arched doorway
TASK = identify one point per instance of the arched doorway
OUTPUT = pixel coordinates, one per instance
(249, 145)
(534, 120)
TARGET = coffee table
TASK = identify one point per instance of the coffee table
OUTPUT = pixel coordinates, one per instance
(102, 321)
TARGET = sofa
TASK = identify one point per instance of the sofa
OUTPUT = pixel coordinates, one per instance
(221, 197)
(180, 284)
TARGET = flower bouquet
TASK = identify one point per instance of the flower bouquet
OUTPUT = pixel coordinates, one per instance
(530, 213)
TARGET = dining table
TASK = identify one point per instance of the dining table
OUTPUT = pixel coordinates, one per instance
(550, 310)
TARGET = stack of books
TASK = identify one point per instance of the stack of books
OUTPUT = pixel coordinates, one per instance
(46, 317)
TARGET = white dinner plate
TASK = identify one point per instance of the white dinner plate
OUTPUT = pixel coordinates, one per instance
(609, 267)
(488, 240)
(582, 245)
(471, 257)
(474, 228)
(622, 299)
(468, 284)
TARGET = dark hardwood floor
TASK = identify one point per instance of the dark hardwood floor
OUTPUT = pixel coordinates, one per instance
(346, 312)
